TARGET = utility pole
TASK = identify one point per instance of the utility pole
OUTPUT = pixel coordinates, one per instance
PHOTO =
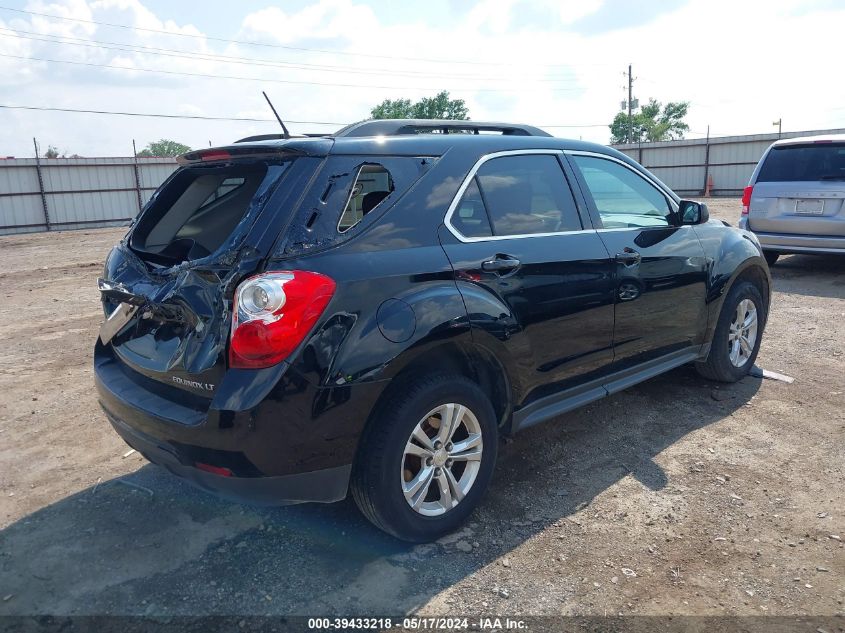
(630, 103)
(779, 122)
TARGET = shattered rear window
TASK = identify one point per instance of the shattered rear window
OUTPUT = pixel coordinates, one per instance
(348, 194)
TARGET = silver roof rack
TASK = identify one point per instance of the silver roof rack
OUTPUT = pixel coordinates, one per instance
(398, 127)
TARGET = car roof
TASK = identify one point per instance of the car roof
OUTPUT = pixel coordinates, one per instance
(438, 144)
(409, 137)
(821, 138)
(424, 144)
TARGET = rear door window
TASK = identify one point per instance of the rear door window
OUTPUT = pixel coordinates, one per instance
(527, 194)
(470, 218)
(805, 162)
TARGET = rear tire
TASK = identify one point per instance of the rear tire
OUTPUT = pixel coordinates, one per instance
(736, 340)
(771, 257)
(402, 448)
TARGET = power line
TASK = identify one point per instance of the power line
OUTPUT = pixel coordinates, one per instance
(218, 118)
(146, 50)
(281, 46)
(169, 52)
(260, 79)
(164, 116)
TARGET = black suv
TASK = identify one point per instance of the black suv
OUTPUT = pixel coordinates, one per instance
(290, 319)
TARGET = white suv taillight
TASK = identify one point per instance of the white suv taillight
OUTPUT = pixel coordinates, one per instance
(746, 199)
(273, 313)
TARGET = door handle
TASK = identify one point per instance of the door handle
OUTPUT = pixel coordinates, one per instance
(500, 264)
(629, 257)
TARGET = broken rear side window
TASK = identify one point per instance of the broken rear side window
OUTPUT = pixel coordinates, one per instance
(347, 195)
(372, 185)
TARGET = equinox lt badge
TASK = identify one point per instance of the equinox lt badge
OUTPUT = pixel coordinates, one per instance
(205, 386)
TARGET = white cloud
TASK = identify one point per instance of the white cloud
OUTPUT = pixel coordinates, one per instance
(76, 9)
(740, 67)
(326, 19)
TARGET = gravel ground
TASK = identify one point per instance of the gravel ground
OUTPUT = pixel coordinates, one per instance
(677, 496)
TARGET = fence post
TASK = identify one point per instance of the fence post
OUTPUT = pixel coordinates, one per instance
(706, 162)
(41, 185)
(137, 176)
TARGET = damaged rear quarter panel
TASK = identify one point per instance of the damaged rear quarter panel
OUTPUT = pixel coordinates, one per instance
(399, 258)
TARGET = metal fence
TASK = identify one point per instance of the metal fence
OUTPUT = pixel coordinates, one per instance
(38, 194)
(727, 161)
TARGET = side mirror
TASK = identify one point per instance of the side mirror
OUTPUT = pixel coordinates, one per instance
(692, 212)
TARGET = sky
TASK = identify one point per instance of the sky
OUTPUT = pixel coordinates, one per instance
(558, 64)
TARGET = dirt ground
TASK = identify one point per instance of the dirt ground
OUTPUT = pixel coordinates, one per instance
(677, 496)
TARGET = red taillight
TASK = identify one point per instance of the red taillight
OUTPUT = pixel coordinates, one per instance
(272, 314)
(214, 154)
(746, 199)
(215, 470)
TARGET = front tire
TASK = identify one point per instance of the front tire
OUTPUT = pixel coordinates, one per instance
(426, 458)
(736, 340)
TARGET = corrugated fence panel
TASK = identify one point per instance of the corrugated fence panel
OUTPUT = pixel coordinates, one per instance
(151, 175)
(76, 208)
(675, 157)
(18, 180)
(685, 165)
(79, 192)
(24, 213)
(684, 178)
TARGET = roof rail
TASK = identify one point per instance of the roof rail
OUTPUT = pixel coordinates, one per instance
(398, 127)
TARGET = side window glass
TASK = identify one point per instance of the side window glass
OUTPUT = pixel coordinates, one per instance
(348, 195)
(623, 198)
(527, 194)
(470, 216)
(372, 185)
(227, 186)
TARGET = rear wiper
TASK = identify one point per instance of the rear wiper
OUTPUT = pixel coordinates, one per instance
(832, 177)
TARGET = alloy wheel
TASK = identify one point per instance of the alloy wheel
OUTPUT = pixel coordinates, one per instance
(441, 459)
(743, 333)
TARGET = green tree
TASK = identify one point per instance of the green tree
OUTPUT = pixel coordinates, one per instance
(393, 109)
(654, 122)
(164, 147)
(53, 152)
(438, 107)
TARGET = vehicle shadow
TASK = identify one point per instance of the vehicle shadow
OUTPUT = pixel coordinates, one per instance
(810, 275)
(149, 544)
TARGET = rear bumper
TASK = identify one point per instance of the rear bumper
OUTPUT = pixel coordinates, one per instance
(791, 243)
(324, 486)
(282, 438)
